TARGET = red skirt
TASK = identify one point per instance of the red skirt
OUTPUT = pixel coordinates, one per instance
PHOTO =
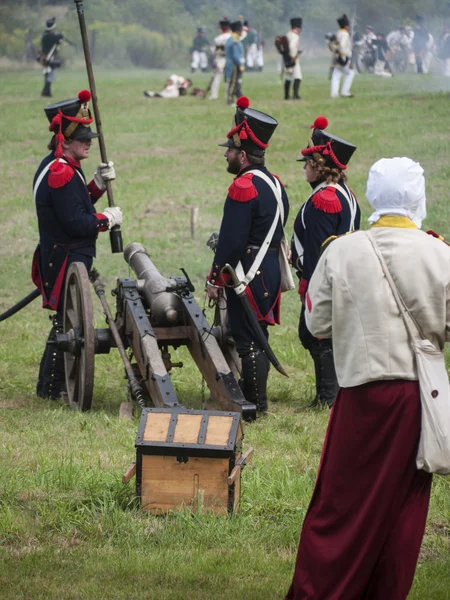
(364, 526)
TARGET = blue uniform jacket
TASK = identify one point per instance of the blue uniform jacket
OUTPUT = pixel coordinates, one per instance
(234, 55)
(326, 213)
(248, 214)
(67, 224)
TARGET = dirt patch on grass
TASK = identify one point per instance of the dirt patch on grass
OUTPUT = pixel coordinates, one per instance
(15, 404)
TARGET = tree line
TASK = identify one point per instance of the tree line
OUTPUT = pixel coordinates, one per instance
(158, 33)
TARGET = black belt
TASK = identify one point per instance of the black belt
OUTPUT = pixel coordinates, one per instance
(259, 247)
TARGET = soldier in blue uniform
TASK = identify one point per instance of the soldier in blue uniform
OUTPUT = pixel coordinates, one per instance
(249, 213)
(49, 54)
(68, 222)
(235, 62)
(330, 210)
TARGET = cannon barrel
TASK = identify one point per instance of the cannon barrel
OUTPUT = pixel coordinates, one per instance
(166, 306)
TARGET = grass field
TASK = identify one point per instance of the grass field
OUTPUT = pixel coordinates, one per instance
(69, 529)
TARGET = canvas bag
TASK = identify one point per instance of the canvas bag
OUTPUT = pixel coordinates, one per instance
(287, 280)
(433, 454)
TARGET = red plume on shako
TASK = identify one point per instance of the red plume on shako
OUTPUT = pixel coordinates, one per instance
(243, 102)
(69, 119)
(252, 129)
(320, 123)
(326, 149)
(84, 96)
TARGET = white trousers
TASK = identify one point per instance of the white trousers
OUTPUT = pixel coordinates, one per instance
(199, 59)
(294, 72)
(260, 58)
(446, 67)
(217, 78)
(252, 53)
(338, 71)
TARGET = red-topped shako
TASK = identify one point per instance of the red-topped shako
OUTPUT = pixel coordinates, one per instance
(326, 149)
(251, 129)
(70, 119)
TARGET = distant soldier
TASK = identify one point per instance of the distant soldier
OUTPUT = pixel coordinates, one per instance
(251, 46)
(48, 56)
(292, 68)
(423, 44)
(342, 48)
(444, 51)
(235, 62)
(382, 67)
(199, 47)
(218, 50)
(175, 87)
(399, 43)
(260, 56)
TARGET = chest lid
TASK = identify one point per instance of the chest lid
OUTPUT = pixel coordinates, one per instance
(194, 432)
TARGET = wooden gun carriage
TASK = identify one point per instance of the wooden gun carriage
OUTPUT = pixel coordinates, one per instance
(153, 314)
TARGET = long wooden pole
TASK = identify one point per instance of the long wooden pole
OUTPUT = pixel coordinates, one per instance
(115, 233)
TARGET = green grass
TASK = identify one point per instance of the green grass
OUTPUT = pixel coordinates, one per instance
(69, 529)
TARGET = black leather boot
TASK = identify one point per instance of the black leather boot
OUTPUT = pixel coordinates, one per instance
(52, 378)
(46, 92)
(297, 83)
(287, 89)
(255, 371)
(326, 381)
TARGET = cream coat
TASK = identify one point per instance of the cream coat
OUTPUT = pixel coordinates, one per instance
(350, 300)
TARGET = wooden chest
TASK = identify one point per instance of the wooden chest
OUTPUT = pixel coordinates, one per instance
(188, 458)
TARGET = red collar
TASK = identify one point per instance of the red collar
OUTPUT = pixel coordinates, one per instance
(72, 162)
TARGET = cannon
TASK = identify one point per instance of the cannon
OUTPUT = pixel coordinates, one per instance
(153, 314)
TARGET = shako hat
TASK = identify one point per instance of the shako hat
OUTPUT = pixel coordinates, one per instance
(251, 129)
(326, 149)
(296, 22)
(343, 21)
(225, 22)
(50, 24)
(236, 26)
(71, 119)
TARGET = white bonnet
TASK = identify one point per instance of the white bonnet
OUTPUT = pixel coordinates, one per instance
(396, 186)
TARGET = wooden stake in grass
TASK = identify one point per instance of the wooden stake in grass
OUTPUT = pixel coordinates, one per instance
(194, 219)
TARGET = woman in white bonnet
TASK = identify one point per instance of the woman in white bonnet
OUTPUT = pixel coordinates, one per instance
(363, 530)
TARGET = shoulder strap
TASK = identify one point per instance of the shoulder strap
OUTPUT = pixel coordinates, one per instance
(353, 205)
(45, 170)
(246, 278)
(41, 177)
(404, 310)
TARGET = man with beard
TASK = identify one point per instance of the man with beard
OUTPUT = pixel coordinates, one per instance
(255, 211)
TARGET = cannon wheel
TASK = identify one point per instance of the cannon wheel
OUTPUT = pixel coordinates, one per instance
(79, 320)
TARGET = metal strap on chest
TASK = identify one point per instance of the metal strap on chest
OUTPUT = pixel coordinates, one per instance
(246, 278)
(44, 172)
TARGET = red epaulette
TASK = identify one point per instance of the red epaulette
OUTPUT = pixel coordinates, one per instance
(436, 235)
(327, 200)
(60, 173)
(242, 188)
(278, 179)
